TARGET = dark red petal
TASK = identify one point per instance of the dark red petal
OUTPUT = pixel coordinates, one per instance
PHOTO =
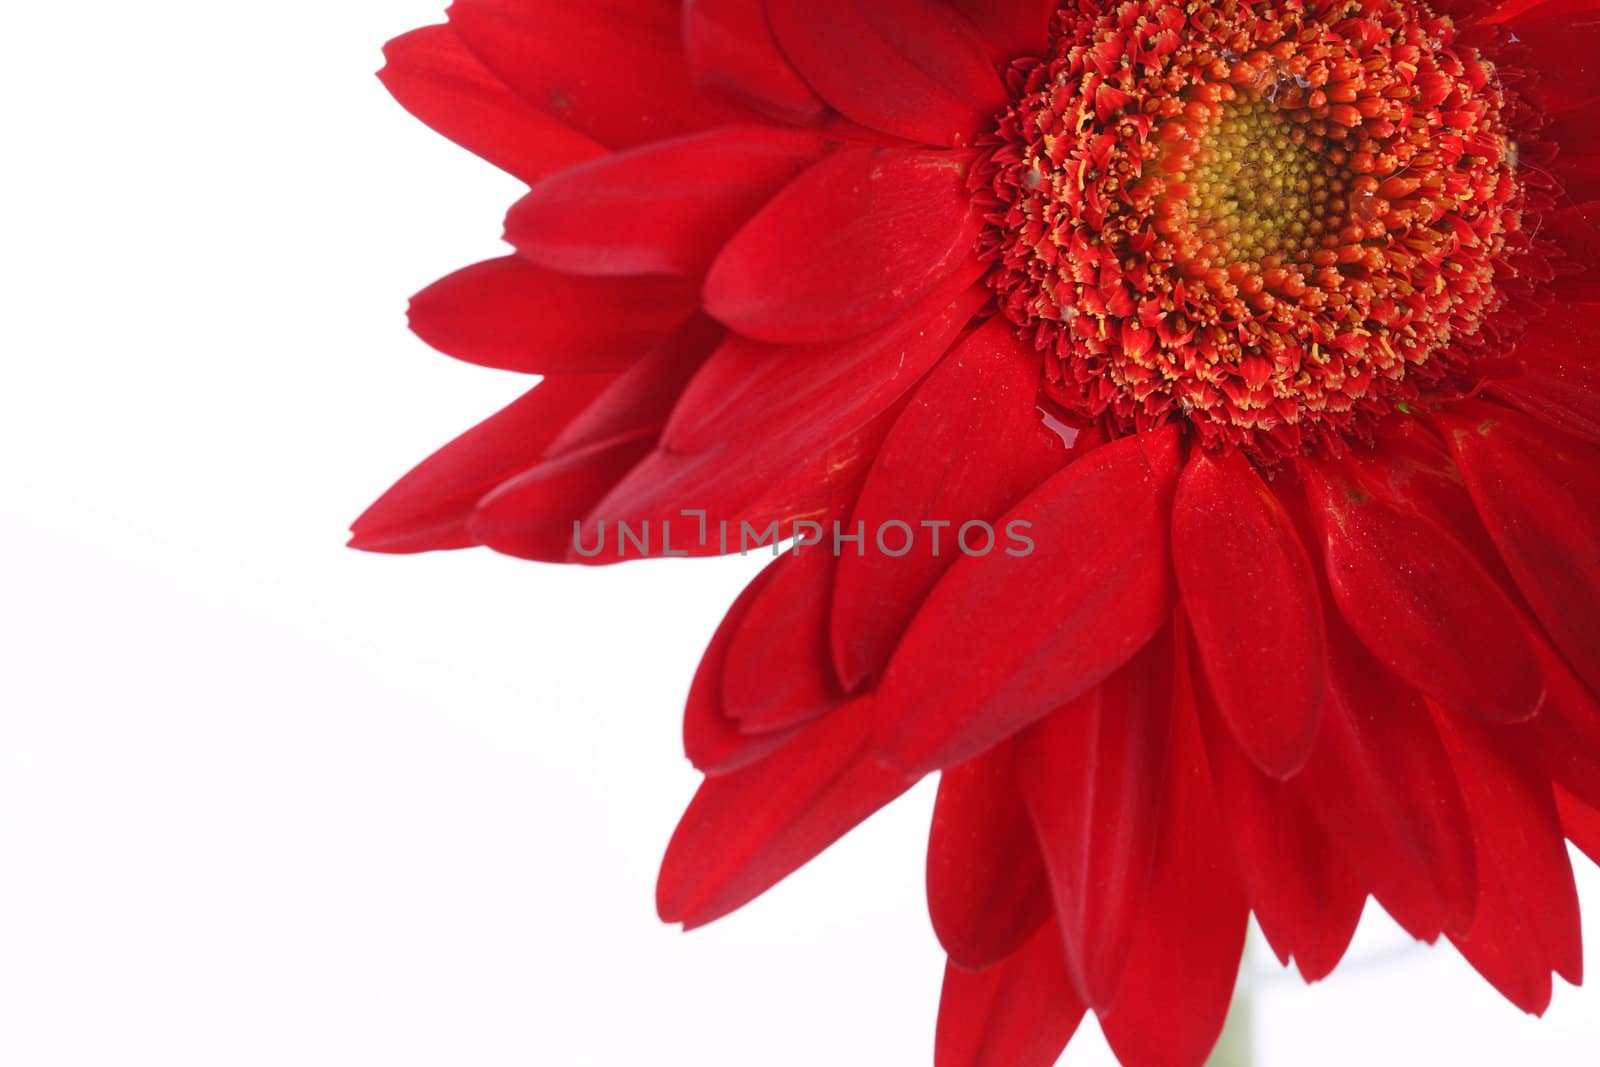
(1251, 597)
(780, 673)
(1564, 47)
(1013, 27)
(1301, 889)
(846, 247)
(537, 514)
(663, 209)
(1018, 1013)
(1004, 639)
(614, 71)
(748, 830)
(435, 78)
(1576, 232)
(509, 314)
(789, 399)
(906, 67)
(1526, 924)
(428, 508)
(970, 444)
(1093, 778)
(987, 893)
(1560, 361)
(1539, 494)
(1422, 603)
(730, 47)
(1186, 951)
(1381, 783)
(711, 740)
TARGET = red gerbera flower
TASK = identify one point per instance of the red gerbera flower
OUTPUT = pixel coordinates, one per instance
(1197, 406)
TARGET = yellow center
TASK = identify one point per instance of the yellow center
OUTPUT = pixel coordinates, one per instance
(1256, 190)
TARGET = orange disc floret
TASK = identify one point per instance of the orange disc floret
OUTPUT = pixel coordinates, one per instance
(1278, 221)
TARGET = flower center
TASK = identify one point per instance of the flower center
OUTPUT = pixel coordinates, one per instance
(1278, 220)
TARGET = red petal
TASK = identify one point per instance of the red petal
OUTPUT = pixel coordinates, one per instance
(730, 47)
(614, 71)
(1014, 27)
(1559, 368)
(845, 248)
(1580, 823)
(1526, 924)
(987, 893)
(746, 831)
(905, 67)
(1304, 895)
(1539, 495)
(1185, 956)
(1093, 777)
(663, 209)
(711, 740)
(537, 514)
(790, 398)
(1004, 639)
(1422, 603)
(969, 446)
(780, 673)
(739, 500)
(428, 508)
(1019, 1013)
(1251, 597)
(818, 416)
(1563, 47)
(1382, 785)
(435, 78)
(1576, 231)
(509, 314)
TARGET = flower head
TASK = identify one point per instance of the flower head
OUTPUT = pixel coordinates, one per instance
(1195, 409)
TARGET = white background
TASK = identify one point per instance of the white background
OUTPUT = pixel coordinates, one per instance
(264, 800)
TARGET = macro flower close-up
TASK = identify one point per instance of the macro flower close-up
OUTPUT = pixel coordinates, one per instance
(1175, 425)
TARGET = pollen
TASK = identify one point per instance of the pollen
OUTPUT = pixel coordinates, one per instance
(1279, 221)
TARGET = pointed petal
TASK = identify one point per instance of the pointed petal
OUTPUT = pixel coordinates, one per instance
(666, 208)
(1004, 639)
(1251, 598)
(428, 508)
(1019, 1013)
(748, 830)
(846, 247)
(969, 446)
(1093, 778)
(1526, 924)
(779, 672)
(987, 893)
(1422, 603)
(1301, 890)
(1185, 956)
(614, 71)
(1580, 823)
(1539, 495)
(509, 314)
(711, 740)
(908, 68)
(434, 77)
(1383, 785)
